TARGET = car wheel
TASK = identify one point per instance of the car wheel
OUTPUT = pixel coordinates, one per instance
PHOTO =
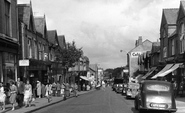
(142, 111)
(136, 105)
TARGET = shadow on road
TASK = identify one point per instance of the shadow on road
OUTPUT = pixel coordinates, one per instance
(135, 111)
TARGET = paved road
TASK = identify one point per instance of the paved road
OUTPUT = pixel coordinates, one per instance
(98, 101)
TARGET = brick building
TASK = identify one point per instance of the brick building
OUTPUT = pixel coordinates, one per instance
(9, 40)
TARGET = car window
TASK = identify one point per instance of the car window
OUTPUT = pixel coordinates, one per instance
(156, 87)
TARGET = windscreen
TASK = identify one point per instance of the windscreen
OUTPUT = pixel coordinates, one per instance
(118, 81)
(157, 87)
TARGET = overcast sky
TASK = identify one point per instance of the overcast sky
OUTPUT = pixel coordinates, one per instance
(104, 27)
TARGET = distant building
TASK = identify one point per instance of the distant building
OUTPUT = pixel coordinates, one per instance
(132, 56)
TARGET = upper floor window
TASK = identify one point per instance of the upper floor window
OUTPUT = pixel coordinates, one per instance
(35, 47)
(165, 52)
(40, 51)
(29, 48)
(182, 38)
(173, 46)
(7, 18)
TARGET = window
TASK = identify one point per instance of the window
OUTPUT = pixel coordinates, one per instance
(164, 52)
(182, 38)
(7, 18)
(40, 52)
(43, 52)
(35, 47)
(173, 47)
(29, 49)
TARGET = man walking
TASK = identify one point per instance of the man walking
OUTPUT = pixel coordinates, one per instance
(20, 92)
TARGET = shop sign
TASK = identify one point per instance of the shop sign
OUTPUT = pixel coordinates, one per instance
(135, 54)
(23, 62)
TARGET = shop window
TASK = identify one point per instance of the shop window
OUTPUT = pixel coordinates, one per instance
(9, 67)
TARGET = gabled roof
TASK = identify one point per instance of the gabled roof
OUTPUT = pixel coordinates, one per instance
(142, 45)
(40, 24)
(25, 14)
(93, 67)
(52, 37)
(181, 12)
(171, 15)
(62, 41)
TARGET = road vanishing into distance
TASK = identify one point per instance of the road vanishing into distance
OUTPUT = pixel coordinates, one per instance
(98, 101)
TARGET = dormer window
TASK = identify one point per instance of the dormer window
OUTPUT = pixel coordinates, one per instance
(182, 38)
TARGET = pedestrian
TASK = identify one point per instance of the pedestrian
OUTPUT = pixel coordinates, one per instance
(20, 92)
(58, 88)
(43, 90)
(13, 94)
(27, 94)
(175, 88)
(182, 87)
(67, 90)
(54, 88)
(39, 89)
(48, 92)
(2, 97)
(62, 90)
(75, 89)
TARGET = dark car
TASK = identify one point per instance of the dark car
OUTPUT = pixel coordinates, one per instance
(118, 85)
(155, 95)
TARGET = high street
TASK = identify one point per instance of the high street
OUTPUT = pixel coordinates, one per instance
(98, 101)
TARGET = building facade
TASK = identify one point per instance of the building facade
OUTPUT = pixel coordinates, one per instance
(9, 40)
(132, 56)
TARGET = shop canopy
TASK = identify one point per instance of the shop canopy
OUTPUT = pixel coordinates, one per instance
(84, 77)
(149, 73)
(170, 70)
(168, 66)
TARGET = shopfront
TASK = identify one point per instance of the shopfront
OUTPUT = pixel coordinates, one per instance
(8, 67)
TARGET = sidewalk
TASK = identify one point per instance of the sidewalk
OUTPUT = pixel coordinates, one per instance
(39, 103)
(180, 103)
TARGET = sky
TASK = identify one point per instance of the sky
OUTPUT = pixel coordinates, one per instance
(104, 27)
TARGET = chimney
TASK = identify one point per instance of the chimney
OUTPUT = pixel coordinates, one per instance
(140, 40)
(136, 44)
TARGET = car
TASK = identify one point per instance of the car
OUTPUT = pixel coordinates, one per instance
(132, 90)
(118, 85)
(124, 88)
(155, 95)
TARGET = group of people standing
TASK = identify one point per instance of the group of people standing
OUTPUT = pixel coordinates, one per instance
(25, 93)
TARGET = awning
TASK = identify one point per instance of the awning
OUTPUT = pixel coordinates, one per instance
(170, 70)
(168, 66)
(149, 73)
(84, 77)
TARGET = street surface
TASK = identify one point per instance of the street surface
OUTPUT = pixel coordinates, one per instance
(98, 101)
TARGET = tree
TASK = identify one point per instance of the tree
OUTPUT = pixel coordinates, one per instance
(70, 55)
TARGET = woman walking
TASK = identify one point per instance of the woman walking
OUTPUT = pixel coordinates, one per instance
(27, 94)
(13, 94)
(2, 96)
(48, 92)
(39, 89)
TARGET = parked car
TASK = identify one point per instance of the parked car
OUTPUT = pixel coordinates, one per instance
(118, 85)
(132, 89)
(124, 88)
(155, 95)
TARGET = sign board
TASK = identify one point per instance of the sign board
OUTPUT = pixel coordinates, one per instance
(135, 54)
(24, 62)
